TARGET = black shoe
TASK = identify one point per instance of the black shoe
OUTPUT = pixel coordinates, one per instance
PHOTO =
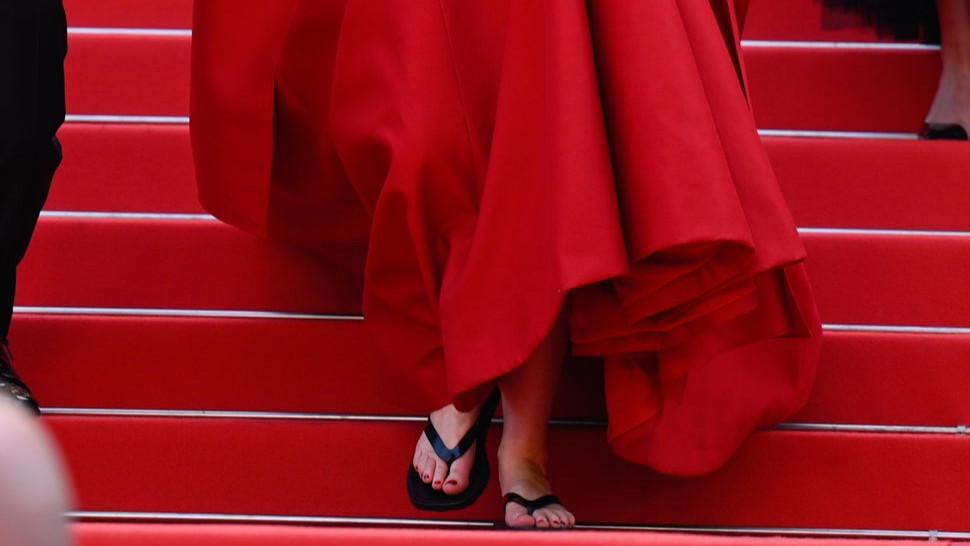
(424, 497)
(943, 131)
(11, 385)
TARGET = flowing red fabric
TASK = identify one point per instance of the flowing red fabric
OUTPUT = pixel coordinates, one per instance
(493, 164)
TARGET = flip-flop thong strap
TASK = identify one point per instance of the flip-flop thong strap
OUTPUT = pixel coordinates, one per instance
(532, 505)
(449, 454)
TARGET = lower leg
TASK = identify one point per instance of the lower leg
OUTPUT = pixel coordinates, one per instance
(527, 397)
(952, 101)
(27, 177)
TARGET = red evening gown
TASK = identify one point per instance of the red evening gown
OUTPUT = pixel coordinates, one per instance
(490, 164)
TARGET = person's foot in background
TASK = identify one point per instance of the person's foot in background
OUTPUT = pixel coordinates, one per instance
(11, 386)
(949, 115)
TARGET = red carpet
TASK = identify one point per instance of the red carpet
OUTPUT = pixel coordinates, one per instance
(891, 379)
(334, 468)
(326, 367)
(828, 182)
(889, 279)
(99, 534)
(202, 264)
(889, 479)
(797, 20)
(125, 168)
(177, 264)
(131, 75)
(876, 184)
(149, 75)
(129, 13)
(891, 89)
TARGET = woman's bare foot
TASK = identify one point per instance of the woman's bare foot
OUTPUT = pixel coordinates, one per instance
(527, 477)
(952, 102)
(451, 425)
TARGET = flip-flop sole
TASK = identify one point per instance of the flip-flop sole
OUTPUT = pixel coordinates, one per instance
(424, 497)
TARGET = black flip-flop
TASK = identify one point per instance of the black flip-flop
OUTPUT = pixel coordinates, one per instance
(943, 131)
(424, 497)
(531, 506)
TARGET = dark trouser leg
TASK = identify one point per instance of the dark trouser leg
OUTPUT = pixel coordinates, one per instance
(33, 43)
(26, 180)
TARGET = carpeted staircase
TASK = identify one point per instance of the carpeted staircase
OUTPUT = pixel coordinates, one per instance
(209, 387)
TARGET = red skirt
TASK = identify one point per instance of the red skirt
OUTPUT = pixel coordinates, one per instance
(493, 164)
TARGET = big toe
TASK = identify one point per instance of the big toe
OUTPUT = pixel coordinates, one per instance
(457, 479)
(518, 516)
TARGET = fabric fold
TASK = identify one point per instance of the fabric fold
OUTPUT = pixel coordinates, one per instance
(519, 160)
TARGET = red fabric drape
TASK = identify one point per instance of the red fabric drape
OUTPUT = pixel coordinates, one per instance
(507, 161)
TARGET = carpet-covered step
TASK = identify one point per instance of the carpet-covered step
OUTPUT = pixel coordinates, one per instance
(122, 167)
(801, 20)
(129, 13)
(841, 89)
(176, 264)
(202, 534)
(791, 88)
(876, 184)
(243, 364)
(908, 280)
(328, 367)
(767, 19)
(860, 278)
(357, 469)
(121, 74)
(828, 182)
(914, 379)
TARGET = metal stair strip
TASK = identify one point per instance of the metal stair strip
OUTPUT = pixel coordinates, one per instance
(957, 430)
(171, 517)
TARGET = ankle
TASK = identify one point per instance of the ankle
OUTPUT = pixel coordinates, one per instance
(523, 477)
(452, 424)
(535, 453)
(517, 467)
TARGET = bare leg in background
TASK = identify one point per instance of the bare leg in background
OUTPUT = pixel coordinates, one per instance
(952, 102)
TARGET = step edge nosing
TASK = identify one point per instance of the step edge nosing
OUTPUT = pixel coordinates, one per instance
(958, 430)
(837, 45)
(850, 135)
(883, 232)
(247, 518)
(183, 313)
(129, 31)
(84, 515)
(284, 315)
(104, 215)
(126, 119)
